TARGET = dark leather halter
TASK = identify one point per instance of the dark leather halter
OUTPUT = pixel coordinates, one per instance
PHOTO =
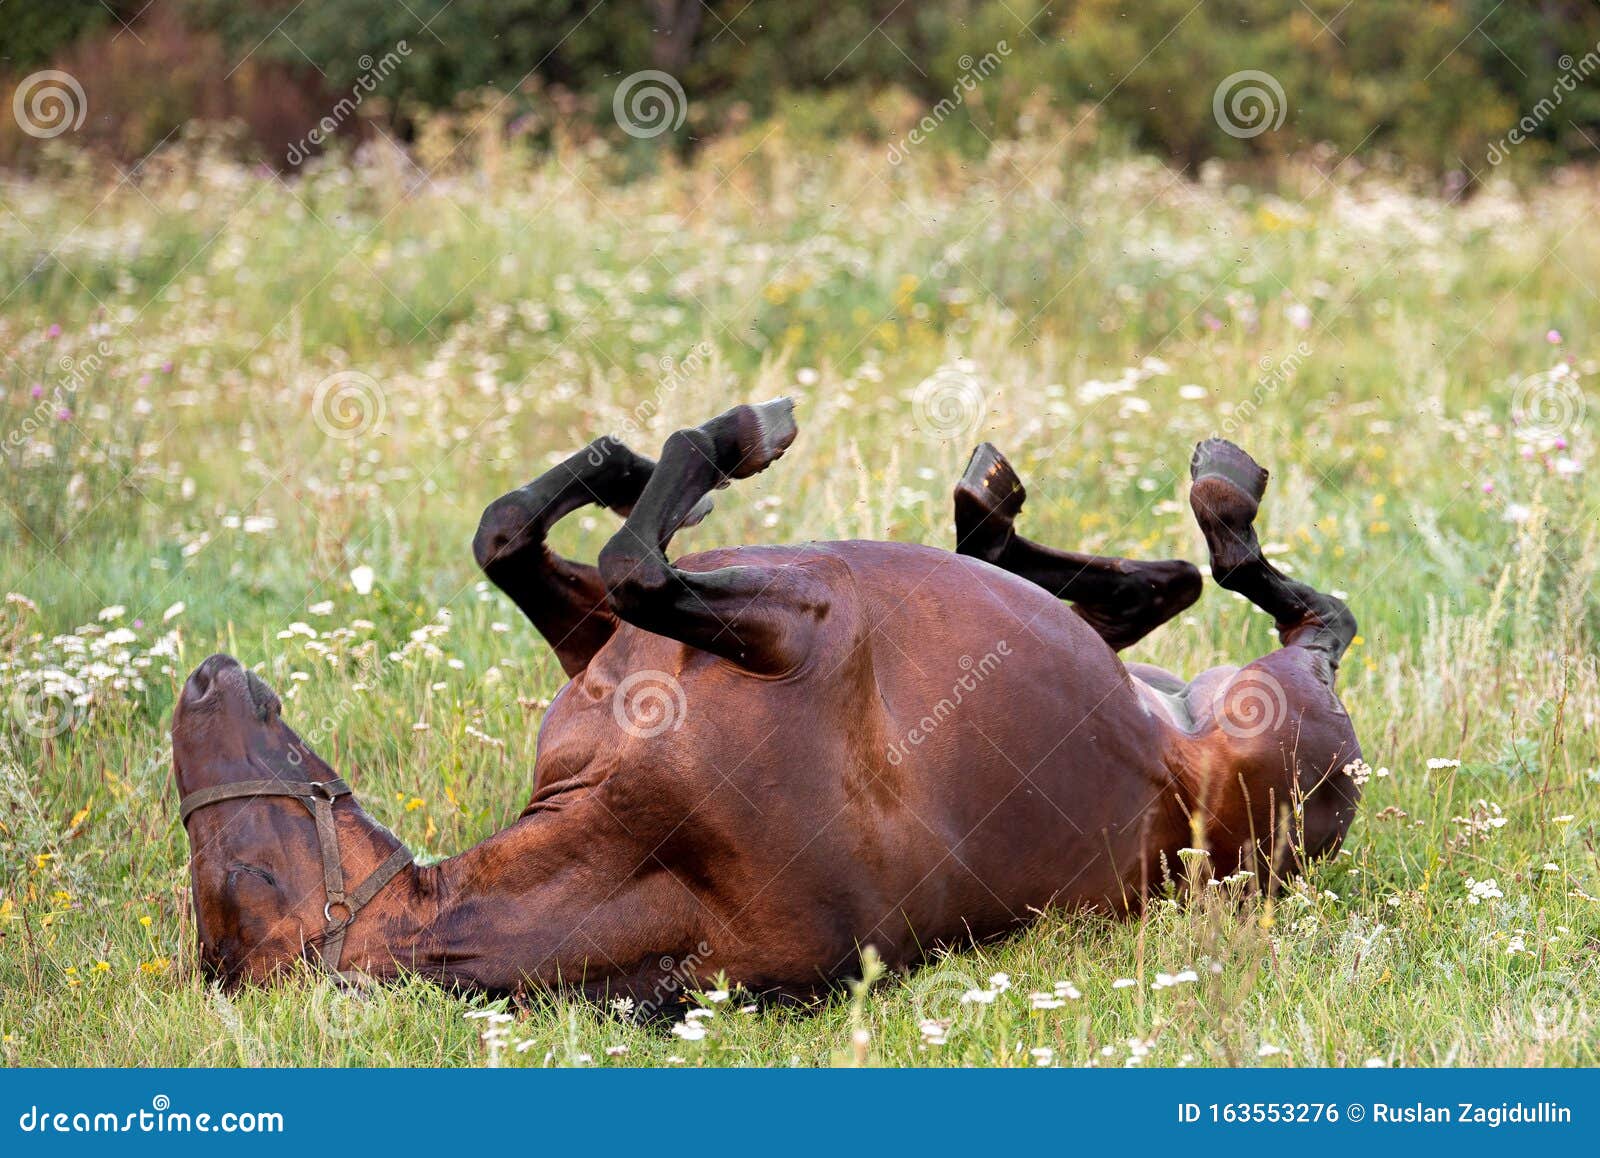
(318, 797)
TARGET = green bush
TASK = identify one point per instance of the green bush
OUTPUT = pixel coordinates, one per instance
(1441, 84)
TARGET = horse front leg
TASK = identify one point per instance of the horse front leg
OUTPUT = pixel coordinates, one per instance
(763, 619)
(564, 600)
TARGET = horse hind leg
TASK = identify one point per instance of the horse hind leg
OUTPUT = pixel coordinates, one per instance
(1226, 495)
(760, 618)
(1124, 600)
(1279, 717)
(564, 600)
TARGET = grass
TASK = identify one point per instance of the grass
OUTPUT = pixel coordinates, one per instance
(257, 388)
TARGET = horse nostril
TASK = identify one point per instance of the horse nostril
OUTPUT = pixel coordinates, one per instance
(265, 701)
(203, 677)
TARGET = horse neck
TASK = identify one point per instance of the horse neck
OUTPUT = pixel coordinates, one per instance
(489, 917)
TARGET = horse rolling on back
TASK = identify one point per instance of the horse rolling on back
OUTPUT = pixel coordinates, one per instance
(769, 758)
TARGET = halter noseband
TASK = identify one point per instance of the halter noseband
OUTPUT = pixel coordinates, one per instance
(318, 797)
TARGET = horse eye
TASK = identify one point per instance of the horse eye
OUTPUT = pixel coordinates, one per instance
(254, 870)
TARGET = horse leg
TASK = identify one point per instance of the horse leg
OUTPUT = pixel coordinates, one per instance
(760, 618)
(1122, 599)
(1228, 485)
(566, 601)
(1287, 740)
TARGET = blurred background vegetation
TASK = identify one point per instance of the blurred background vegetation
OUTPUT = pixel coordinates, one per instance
(1431, 83)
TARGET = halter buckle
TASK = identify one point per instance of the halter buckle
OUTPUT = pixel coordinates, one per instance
(327, 913)
(322, 790)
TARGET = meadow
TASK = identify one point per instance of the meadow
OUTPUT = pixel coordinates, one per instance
(247, 414)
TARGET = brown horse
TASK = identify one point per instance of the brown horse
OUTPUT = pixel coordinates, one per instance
(768, 758)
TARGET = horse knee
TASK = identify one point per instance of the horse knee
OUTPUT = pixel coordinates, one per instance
(1342, 622)
(508, 526)
(635, 578)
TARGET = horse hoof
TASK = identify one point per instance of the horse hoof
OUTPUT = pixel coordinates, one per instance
(765, 431)
(1219, 458)
(1225, 497)
(991, 485)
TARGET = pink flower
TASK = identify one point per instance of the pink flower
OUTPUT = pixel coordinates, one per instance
(1488, 488)
(53, 332)
(1553, 337)
(36, 392)
(64, 414)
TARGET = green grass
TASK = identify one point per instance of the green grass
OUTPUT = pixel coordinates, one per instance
(1373, 347)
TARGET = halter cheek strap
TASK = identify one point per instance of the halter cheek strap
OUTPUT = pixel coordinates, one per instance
(318, 797)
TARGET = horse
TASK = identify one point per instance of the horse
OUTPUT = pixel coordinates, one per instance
(768, 758)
